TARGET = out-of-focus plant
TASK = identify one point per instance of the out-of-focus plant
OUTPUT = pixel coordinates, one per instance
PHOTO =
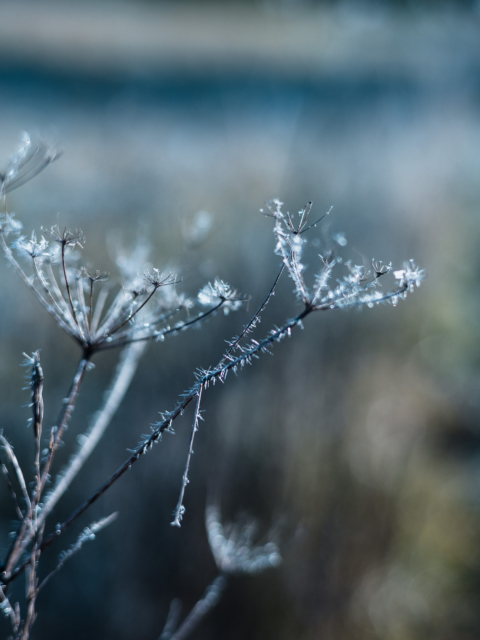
(145, 308)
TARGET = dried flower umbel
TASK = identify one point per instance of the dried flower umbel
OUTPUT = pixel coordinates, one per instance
(145, 308)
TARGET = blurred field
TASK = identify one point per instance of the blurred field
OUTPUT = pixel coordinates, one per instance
(359, 437)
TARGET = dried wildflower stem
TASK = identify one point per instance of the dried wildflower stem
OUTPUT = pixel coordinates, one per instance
(176, 329)
(134, 313)
(254, 318)
(7, 607)
(210, 599)
(18, 471)
(65, 309)
(46, 288)
(69, 293)
(86, 535)
(90, 305)
(24, 536)
(163, 318)
(12, 491)
(219, 373)
(178, 514)
(32, 594)
(125, 371)
(100, 305)
(68, 406)
(51, 310)
(37, 406)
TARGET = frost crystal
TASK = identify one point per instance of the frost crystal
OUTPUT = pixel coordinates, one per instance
(219, 291)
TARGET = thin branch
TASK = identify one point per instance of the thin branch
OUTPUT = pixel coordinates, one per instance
(99, 306)
(72, 306)
(32, 594)
(65, 416)
(61, 312)
(87, 535)
(209, 376)
(7, 609)
(24, 537)
(181, 326)
(125, 371)
(204, 378)
(255, 316)
(134, 313)
(51, 310)
(205, 605)
(11, 490)
(172, 619)
(18, 471)
(180, 509)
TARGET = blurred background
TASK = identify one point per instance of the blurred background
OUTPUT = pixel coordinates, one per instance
(359, 439)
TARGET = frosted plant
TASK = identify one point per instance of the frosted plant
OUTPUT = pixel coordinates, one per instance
(146, 307)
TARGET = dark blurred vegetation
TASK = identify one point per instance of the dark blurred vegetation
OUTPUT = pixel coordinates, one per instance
(360, 434)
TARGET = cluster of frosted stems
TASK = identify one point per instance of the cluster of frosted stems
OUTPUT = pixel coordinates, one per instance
(146, 307)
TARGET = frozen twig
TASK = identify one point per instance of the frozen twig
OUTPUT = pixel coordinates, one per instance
(207, 603)
(180, 509)
(87, 535)
(16, 467)
(125, 371)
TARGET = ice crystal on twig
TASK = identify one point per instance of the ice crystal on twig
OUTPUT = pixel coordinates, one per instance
(220, 291)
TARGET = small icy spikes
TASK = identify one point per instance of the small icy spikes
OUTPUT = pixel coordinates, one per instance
(32, 248)
(94, 277)
(180, 509)
(10, 225)
(87, 535)
(36, 385)
(157, 279)
(380, 269)
(66, 238)
(220, 291)
(410, 275)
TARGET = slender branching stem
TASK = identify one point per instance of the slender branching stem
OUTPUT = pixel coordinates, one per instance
(6, 606)
(165, 332)
(69, 293)
(16, 467)
(24, 537)
(254, 318)
(179, 510)
(10, 488)
(134, 313)
(125, 371)
(51, 310)
(209, 376)
(90, 306)
(67, 409)
(49, 294)
(86, 535)
(205, 605)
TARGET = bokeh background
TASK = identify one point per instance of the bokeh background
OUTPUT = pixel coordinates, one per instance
(358, 440)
